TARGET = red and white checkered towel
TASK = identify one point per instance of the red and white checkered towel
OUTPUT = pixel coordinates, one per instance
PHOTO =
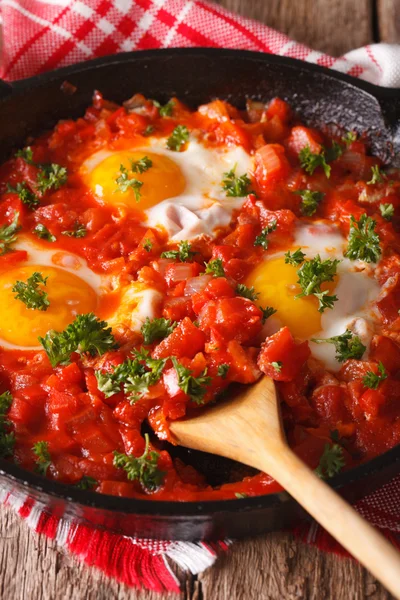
(39, 35)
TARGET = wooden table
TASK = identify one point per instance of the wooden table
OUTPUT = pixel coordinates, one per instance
(275, 566)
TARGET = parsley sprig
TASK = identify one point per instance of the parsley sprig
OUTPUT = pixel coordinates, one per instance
(178, 138)
(372, 380)
(143, 469)
(331, 461)
(246, 292)
(184, 252)
(43, 458)
(310, 161)
(79, 231)
(215, 267)
(262, 239)
(156, 329)
(387, 211)
(347, 345)
(236, 187)
(141, 165)
(7, 438)
(194, 387)
(8, 235)
(165, 110)
(51, 177)
(85, 335)
(267, 312)
(31, 294)
(125, 183)
(87, 483)
(43, 233)
(312, 274)
(25, 194)
(309, 201)
(223, 370)
(294, 258)
(363, 242)
(377, 175)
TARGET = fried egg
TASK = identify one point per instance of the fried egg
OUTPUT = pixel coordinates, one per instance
(181, 192)
(72, 288)
(354, 286)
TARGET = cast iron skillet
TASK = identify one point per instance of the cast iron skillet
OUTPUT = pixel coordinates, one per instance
(196, 76)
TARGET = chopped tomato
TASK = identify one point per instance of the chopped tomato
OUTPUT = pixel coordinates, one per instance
(281, 357)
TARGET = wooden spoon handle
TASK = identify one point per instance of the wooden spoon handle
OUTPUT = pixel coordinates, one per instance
(336, 516)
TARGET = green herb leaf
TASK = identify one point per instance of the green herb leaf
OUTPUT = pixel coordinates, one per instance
(277, 366)
(51, 177)
(312, 274)
(85, 335)
(377, 176)
(7, 439)
(79, 231)
(262, 239)
(223, 370)
(246, 292)
(215, 267)
(309, 201)
(236, 187)
(267, 312)
(347, 345)
(184, 252)
(141, 165)
(363, 242)
(387, 211)
(137, 384)
(43, 233)
(194, 387)
(124, 183)
(331, 461)
(148, 245)
(43, 458)
(149, 130)
(87, 483)
(143, 469)
(178, 138)
(309, 161)
(26, 154)
(349, 138)
(7, 234)
(167, 109)
(31, 294)
(372, 380)
(294, 258)
(26, 196)
(156, 329)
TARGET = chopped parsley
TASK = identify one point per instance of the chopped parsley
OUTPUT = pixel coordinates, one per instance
(87, 483)
(51, 177)
(310, 161)
(141, 165)
(331, 461)
(223, 370)
(178, 138)
(377, 176)
(262, 239)
(215, 267)
(26, 154)
(236, 187)
(309, 201)
(43, 458)
(148, 130)
(294, 258)
(43, 233)
(8, 234)
(194, 387)
(246, 292)
(26, 195)
(156, 329)
(277, 366)
(7, 438)
(363, 242)
(31, 294)
(79, 231)
(347, 345)
(184, 252)
(312, 274)
(143, 469)
(124, 183)
(372, 380)
(349, 138)
(167, 109)
(387, 211)
(148, 245)
(267, 312)
(85, 335)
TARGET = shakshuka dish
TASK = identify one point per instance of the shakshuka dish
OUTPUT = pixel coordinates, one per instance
(152, 257)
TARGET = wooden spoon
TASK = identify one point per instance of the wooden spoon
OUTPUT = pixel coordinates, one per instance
(248, 429)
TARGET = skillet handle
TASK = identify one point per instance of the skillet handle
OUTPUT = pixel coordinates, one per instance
(5, 89)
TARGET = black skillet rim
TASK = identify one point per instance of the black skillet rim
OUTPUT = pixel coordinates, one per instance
(162, 508)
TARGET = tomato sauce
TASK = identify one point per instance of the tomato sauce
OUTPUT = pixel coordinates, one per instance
(218, 333)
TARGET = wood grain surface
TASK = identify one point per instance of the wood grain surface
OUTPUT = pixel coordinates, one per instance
(275, 566)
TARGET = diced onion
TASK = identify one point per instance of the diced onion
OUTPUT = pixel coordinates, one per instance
(196, 284)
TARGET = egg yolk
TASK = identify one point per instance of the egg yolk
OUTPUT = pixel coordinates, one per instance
(163, 179)
(276, 284)
(68, 296)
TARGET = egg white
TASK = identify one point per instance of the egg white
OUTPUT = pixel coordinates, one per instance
(203, 206)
